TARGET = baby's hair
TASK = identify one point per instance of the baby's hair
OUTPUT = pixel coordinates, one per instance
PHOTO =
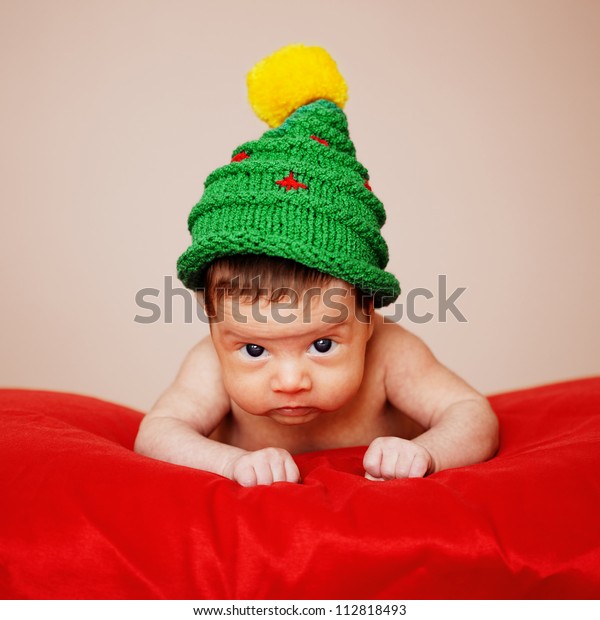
(255, 276)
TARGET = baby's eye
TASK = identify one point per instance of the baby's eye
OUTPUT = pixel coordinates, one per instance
(253, 350)
(323, 345)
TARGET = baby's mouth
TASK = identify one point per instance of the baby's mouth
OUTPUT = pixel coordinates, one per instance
(293, 412)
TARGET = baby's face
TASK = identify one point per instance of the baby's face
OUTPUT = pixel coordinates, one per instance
(293, 363)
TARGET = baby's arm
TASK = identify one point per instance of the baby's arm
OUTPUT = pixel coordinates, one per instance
(461, 427)
(177, 428)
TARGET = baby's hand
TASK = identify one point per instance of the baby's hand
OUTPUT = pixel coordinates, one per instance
(391, 457)
(264, 466)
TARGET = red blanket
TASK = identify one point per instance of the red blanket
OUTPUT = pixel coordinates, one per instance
(82, 516)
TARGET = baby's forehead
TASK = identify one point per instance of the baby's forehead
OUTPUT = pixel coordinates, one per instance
(317, 311)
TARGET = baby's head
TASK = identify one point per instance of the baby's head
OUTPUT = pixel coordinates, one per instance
(299, 195)
(291, 340)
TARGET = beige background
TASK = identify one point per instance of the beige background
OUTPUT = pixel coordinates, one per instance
(478, 122)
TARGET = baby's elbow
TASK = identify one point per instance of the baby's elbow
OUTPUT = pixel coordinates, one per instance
(492, 430)
(143, 439)
(139, 443)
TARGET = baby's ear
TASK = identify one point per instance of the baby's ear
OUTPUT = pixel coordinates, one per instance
(368, 304)
(369, 312)
(365, 308)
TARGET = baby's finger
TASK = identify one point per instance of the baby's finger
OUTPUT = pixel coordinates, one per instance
(419, 466)
(292, 473)
(246, 476)
(369, 477)
(403, 464)
(264, 475)
(372, 461)
(389, 462)
(278, 473)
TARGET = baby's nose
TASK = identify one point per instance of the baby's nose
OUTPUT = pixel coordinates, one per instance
(291, 377)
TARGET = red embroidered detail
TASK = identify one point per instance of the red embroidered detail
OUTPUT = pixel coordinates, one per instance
(240, 156)
(290, 183)
(367, 185)
(320, 140)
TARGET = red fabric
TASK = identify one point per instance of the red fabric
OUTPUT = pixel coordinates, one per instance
(82, 516)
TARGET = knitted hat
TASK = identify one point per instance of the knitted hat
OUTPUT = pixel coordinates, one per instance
(298, 192)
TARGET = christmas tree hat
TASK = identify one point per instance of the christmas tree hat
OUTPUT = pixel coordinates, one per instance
(298, 192)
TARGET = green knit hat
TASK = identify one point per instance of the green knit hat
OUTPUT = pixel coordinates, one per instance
(298, 192)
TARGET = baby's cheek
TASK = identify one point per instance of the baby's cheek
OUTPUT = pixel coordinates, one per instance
(340, 386)
(232, 380)
(245, 390)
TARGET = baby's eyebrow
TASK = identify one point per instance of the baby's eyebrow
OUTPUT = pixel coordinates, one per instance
(322, 330)
(228, 332)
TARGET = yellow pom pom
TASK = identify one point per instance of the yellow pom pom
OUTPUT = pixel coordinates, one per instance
(292, 77)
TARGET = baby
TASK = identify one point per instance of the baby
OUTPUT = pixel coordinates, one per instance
(288, 259)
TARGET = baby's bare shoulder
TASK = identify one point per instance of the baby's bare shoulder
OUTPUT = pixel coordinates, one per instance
(393, 344)
(203, 353)
(198, 386)
(201, 368)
